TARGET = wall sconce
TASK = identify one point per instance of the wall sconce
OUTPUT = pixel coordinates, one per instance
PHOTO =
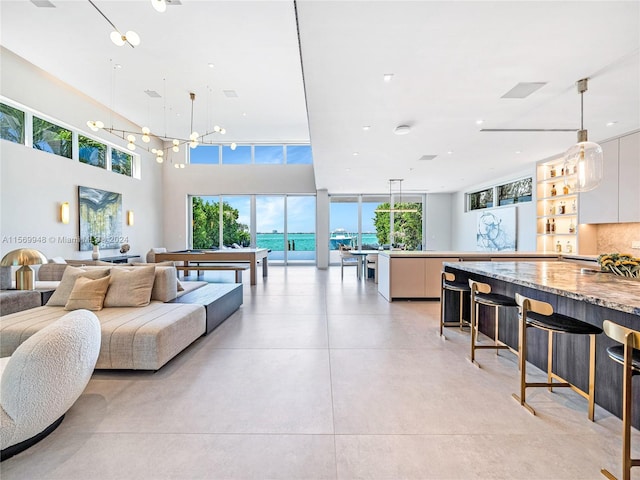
(64, 212)
(130, 217)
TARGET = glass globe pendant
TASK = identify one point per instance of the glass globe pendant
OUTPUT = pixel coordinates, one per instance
(584, 159)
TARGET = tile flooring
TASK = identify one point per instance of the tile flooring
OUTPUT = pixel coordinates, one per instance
(317, 378)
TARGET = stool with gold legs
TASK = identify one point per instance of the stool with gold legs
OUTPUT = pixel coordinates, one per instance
(627, 354)
(481, 295)
(448, 282)
(538, 314)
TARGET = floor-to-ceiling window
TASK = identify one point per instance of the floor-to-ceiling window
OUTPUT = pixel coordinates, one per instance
(365, 221)
(270, 216)
(285, 224)
(301, 229)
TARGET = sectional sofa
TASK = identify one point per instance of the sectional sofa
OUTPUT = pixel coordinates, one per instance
(139, 329)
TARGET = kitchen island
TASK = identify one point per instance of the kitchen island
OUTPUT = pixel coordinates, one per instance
(416, 274)
(572, 290)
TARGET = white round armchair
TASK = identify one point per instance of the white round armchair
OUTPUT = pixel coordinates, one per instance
(44, 377)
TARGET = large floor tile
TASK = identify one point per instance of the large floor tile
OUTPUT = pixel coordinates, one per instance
(476, 456)
(124, 456)
(291, 330)
(225, 391)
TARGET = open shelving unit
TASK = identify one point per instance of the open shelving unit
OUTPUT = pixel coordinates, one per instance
(558, 228)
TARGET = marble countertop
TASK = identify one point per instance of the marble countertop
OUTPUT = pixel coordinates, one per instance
(565, 279)
(464, 255)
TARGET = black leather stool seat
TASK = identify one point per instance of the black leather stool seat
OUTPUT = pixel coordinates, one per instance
(456, 286)
(495, 300)
(562, 323)
(617, 353)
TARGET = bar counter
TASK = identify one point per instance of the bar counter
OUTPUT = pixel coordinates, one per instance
(574, 291)
(567, 280)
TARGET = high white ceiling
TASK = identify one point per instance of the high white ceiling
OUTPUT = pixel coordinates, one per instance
(451, 63)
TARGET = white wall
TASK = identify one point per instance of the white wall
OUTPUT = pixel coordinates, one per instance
(463, 224)
(224, 180)
(438, 221)
(34, 183)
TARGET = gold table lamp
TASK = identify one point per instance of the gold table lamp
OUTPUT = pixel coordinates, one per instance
(23, 257)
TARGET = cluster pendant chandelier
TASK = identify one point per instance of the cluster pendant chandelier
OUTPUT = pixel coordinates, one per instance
(585, 158)
(194, 140)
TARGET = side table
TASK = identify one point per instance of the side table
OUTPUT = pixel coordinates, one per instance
(220, 300)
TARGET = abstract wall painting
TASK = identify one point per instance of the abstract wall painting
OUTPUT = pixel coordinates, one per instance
(496, 231)
(101, 217)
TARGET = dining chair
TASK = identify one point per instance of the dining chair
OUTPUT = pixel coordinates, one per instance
(347, 260)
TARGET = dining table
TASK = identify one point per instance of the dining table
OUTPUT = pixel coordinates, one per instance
(362, 261)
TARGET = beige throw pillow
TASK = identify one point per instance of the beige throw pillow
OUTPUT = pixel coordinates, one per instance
(61, 294)
(88, 294)
(130, 287)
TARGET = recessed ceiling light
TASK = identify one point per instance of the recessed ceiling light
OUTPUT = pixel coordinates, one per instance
(450, 152)
(366, 127)
(518, 152)
(211, 65)
(244, 114)
(402, 129)
(609, 124)
(117, 65)
(355, 154)
(387, 77)
(479, 121)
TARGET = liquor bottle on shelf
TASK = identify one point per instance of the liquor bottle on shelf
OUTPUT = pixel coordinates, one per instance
(558, 247)
(574, 207)
(569, 247)
(553, 191)
(553, 225)
(572, 227)
(552, 173)
(547, 227)
(552, 208)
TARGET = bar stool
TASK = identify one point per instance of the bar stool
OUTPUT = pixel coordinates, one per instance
(538, 314)
(627, 354)
(481, 295)
(448, 282)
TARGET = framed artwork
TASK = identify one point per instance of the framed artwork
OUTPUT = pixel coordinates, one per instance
(100, 216)
(496, 230)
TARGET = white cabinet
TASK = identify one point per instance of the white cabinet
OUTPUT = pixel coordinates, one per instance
(617, 198)
(600, 205)
(629, 175)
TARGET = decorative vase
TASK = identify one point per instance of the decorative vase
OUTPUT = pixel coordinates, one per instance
(96, 252)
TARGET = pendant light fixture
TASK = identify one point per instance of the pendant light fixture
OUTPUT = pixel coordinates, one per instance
(584, 159)
(159, 5)
(393, 182)
(130, 37)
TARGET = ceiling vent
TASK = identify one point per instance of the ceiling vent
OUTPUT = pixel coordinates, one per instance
(523, 89)
(43, 4)
(426, 158)
(230, 93)
(152, 93)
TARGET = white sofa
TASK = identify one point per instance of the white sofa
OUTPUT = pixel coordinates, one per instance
(137, 338)
(44, 377)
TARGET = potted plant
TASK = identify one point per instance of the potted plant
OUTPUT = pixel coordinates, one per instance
(95, 241)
